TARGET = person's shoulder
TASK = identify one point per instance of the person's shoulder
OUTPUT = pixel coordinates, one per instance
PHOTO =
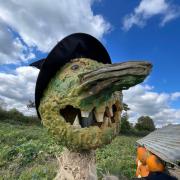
(157, 176)
(160, 176)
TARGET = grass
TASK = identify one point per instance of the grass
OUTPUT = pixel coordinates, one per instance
(118, 158)
(27, 152)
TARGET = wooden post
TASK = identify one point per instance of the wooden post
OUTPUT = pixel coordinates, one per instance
(77, 166)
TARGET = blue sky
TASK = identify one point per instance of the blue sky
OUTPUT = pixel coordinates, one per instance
(160, 45)
(130, 30)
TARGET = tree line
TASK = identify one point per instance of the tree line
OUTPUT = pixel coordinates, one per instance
(16, 117)
(144, 124)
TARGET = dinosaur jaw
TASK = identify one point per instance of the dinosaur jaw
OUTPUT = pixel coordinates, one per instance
(105, 81)
(78, 129)
(103, 116)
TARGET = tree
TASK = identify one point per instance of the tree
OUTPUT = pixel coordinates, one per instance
(145, 123)
(125, 107)
(15, 114)
(125, 125)
(3, 114)
(31, 104)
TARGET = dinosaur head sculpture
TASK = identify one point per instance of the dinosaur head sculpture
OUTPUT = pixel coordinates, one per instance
(81, 101)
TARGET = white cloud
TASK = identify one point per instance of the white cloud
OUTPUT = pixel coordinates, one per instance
(2, 103)
(175, 96)
(18, 88)
(43, 23)
(142, 101)
(12, 50)
(149, 8)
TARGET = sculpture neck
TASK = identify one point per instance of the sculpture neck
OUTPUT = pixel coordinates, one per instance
(77, 165)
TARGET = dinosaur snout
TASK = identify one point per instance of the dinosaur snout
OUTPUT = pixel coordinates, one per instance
(119, 76)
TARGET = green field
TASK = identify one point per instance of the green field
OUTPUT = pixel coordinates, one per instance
(28, 152)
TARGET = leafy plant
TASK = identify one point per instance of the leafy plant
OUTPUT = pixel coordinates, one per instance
(124, 124)
(145, 123)
(15, 117)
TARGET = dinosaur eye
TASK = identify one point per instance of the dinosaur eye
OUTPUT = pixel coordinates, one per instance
(74, 67)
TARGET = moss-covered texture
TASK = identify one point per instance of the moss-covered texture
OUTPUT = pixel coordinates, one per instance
(65, 89)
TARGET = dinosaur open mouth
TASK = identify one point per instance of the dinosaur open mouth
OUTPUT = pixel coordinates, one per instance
(107, 115)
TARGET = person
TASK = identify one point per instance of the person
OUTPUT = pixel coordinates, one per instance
(157, 176)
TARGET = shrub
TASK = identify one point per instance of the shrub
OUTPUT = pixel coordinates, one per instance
(124, 125)
(3, 114)
(15, 117)
(145, 123)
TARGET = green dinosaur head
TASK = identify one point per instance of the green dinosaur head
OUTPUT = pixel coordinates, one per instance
(82, 103)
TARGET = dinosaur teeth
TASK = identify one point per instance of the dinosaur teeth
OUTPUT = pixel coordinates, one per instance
(85, 114)
(99, 116)
(99, 113)
(76, 122)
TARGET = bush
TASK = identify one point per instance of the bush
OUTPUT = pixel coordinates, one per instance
(128, 129)
(3, 114)
(124, 125)
(16, 117)
(145, 123)
(27, 152)
(117, 158)
(38, 172)
(136, 133)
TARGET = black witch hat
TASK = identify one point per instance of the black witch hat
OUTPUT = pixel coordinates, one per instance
(78, 45)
